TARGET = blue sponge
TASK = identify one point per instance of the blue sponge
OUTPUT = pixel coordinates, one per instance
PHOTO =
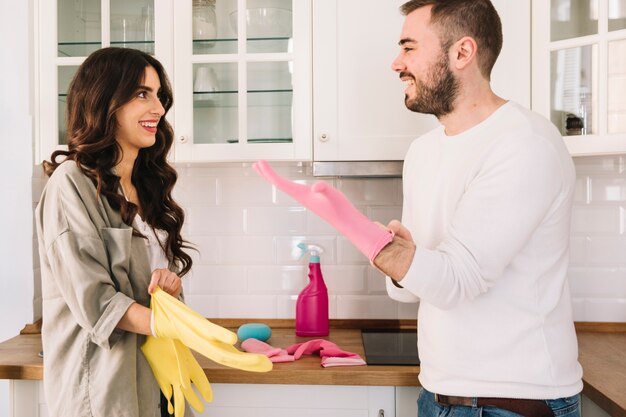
(258, 331)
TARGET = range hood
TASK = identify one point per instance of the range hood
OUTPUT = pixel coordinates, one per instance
(370, 169)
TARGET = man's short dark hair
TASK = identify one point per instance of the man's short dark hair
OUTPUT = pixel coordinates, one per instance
(455, 19)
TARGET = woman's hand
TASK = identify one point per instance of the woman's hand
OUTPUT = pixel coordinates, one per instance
(167, 281)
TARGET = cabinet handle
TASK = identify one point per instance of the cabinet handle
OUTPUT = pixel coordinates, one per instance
(323, 137)
(381, 413)
(183, 139)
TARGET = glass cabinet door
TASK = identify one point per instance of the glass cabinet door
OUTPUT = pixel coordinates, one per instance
(579, 76)
(617, 87)
(573, 72)
(235, 67)
(69, 31)
(215, 103)
(80, 25)
(65, 74)
(574, 89)
(573, 18)
(132, 24)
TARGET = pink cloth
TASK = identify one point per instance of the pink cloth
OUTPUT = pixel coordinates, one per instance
(253, 345)
(331, 354)
(333, 206)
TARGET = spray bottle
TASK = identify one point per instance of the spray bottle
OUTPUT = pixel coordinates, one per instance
(312, 303)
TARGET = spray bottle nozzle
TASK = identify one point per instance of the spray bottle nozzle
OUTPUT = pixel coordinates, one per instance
(303, 248)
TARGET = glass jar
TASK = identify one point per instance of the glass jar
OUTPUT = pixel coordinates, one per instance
(204, 20)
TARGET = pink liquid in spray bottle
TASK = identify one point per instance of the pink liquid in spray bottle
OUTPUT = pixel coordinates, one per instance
(312, 303)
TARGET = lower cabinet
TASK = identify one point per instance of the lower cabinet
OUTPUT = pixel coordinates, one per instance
(591, 409)
(242, 400)
(252, 400)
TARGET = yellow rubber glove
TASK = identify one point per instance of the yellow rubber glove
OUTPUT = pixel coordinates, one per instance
(175, 370)
(173, 319)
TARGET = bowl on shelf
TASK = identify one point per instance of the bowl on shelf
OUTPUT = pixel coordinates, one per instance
(265, 22)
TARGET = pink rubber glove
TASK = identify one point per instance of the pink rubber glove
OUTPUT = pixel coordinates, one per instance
(333, 206)
(253, 345)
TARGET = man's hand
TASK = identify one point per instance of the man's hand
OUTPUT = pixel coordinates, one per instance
(399, 230)
(395, 259)
(167, 281)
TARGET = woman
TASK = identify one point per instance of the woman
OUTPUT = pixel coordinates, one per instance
(109, 234)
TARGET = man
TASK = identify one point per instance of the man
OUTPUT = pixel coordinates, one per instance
(483, 243)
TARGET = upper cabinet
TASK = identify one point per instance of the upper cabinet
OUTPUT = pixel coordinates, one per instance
(579, 72)
(262, 79)
(67, 31)
(240, 70)
(359, 111)
(242, 79)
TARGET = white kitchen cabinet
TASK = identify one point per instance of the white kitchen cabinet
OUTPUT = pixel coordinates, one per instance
(244, 93)
(323, 82)
(259, 400)
(359, 111)
(27, 400)
(66, 31)
(243, 400)
(579, 72)
(241, 91)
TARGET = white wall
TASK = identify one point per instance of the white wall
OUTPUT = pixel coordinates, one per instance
(16, 279)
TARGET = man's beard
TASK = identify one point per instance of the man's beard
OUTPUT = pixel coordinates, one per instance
(437, 96)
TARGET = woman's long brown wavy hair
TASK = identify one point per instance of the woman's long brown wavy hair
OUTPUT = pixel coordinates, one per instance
(108, 79)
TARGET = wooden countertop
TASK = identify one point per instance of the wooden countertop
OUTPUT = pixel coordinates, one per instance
(602, 353)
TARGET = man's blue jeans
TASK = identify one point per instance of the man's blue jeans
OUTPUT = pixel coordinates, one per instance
(428, 407)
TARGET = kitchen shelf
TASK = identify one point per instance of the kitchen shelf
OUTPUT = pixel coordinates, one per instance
(263, 140)
(255, 98)
(72, 49)
(229, 45)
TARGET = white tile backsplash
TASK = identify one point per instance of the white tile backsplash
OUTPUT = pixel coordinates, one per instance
(606, 250)
(608, 189)
(597, 273)
(345, 279)
(218, 279)
(248, 306)
(276, 221)
(247, 250)
(276, 279)
(597, 219)
(605, 282)
(604, 309)
(368, 307)
(245, 231)
(202, 220)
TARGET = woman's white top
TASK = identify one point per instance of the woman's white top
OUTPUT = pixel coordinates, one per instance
(156, 254)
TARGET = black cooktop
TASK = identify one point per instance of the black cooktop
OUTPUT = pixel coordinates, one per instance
(390, 346)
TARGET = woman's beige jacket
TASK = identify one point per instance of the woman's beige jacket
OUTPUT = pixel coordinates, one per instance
(92, 270)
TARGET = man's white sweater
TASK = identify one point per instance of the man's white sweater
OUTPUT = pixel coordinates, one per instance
(489, 210)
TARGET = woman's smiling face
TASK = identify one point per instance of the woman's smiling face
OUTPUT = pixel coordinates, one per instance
(138, 119)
